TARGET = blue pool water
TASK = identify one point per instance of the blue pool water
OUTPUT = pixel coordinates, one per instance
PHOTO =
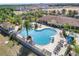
(41, 37)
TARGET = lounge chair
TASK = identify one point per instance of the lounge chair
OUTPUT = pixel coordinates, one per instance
(58, 47)
(46, 52)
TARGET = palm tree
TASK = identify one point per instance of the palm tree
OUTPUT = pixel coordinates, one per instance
(54, 12)
(29, 16)
(35, 16)
(75, 46)
(75, 12)
(70, 13)
(58, 12)
(27, 25)
(1, 20)
(63, 11)
(66, 26)
(19, 20)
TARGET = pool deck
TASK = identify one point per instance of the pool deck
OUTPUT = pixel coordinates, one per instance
(50, 47)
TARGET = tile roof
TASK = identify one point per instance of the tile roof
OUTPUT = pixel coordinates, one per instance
(60, 20)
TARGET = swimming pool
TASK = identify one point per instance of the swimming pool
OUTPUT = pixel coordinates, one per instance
(41, 37)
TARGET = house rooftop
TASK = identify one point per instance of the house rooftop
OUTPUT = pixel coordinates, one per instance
(57, 20)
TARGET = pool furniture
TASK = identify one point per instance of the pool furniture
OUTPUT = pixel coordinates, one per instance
(58, 47)
(46, 52)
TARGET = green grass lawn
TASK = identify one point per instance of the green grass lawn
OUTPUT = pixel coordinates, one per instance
(76, 49)
(1, 37)
(8, 49)
(4, 51)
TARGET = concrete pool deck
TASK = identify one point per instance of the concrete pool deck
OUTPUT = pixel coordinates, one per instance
(50, 47)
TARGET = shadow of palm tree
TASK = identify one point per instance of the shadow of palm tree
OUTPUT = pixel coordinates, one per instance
(25, 52)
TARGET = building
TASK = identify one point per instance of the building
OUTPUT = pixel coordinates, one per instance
(59, 20)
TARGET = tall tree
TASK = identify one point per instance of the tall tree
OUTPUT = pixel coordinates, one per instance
(67, 26)
(63, 11)
(27, 25)
(35, 15)
(58, 12)
(75, 12)
(53, 12)
(70, 13)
